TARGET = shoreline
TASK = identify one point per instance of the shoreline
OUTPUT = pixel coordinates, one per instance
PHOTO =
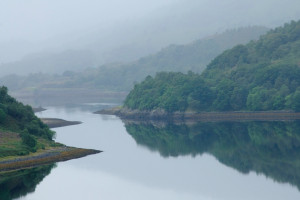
(53, 155)
(56, 123)
(161, 115)
(38, 109)
(47, 152)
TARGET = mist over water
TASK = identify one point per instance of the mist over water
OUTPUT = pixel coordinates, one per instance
(79, 56)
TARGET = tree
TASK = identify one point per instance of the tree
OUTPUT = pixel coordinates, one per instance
(28, 140)
(2, 115)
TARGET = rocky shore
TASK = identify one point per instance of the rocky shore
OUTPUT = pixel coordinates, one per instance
(55, 123)
(38, 109)
(159, 114)
(55, 154)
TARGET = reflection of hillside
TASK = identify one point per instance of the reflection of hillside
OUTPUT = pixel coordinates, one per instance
(20, 183)
(271, 148)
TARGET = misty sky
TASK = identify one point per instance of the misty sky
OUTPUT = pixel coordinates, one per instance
(118, 30)
(41, 19)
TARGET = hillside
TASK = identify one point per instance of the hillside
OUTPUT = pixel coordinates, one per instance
(21, 131)
(262, 75)
(25, 141)
(121, 77)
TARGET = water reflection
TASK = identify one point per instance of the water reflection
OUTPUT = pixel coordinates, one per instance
(19, 183)
(270, 148)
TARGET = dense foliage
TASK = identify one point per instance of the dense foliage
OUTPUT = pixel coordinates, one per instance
(262, 75)
(119, 77)
(171, 92)
(16, 117)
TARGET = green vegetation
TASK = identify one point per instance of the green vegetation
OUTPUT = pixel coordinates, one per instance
(121, 77)
(260, 76)
(171, 92)
(270, 148)
(21, 131)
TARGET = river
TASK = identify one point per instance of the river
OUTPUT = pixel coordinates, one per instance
(144, 161)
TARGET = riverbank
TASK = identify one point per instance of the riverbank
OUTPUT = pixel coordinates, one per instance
(124, 113)
(38, 109)
(55, 122)
(42, 157)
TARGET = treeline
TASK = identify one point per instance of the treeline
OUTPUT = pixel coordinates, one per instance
(16, 117)
(262, 75)
(121, 76)
(172, 92)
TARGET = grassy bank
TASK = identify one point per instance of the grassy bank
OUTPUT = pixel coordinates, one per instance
(55, 154)
(11, 144)
(15, 155)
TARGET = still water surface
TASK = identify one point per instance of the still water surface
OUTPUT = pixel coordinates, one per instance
(142, 161)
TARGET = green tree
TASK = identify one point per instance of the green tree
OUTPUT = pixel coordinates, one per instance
(2, 116)
(28, 140)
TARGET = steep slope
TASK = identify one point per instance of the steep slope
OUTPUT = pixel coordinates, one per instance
(195, 56)
(262, 75)
(25, 141)
(20, 129)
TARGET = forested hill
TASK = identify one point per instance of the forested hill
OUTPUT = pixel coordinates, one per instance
(19, 127)
(196, 55)
(120, 77)
(261, 75)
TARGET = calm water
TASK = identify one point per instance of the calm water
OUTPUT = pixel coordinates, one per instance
(206, 161)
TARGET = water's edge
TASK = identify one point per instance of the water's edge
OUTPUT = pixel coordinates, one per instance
(55, 154)
(55, 122)
(124, 113)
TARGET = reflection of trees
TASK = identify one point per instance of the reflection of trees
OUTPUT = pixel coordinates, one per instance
(19, 183)
(271, 148)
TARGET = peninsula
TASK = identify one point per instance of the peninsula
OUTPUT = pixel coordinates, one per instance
(26, 141)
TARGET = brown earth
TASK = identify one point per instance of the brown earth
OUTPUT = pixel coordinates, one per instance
(55, 154)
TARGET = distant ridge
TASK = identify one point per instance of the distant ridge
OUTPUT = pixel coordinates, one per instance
(121, 77)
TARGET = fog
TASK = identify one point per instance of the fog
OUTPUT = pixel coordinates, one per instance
(35, 32)
(34, 25)
(37, 20)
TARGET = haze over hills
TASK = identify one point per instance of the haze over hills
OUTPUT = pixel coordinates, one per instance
(183, 78)
(50, 31)
(121, 77)
(51, 61)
